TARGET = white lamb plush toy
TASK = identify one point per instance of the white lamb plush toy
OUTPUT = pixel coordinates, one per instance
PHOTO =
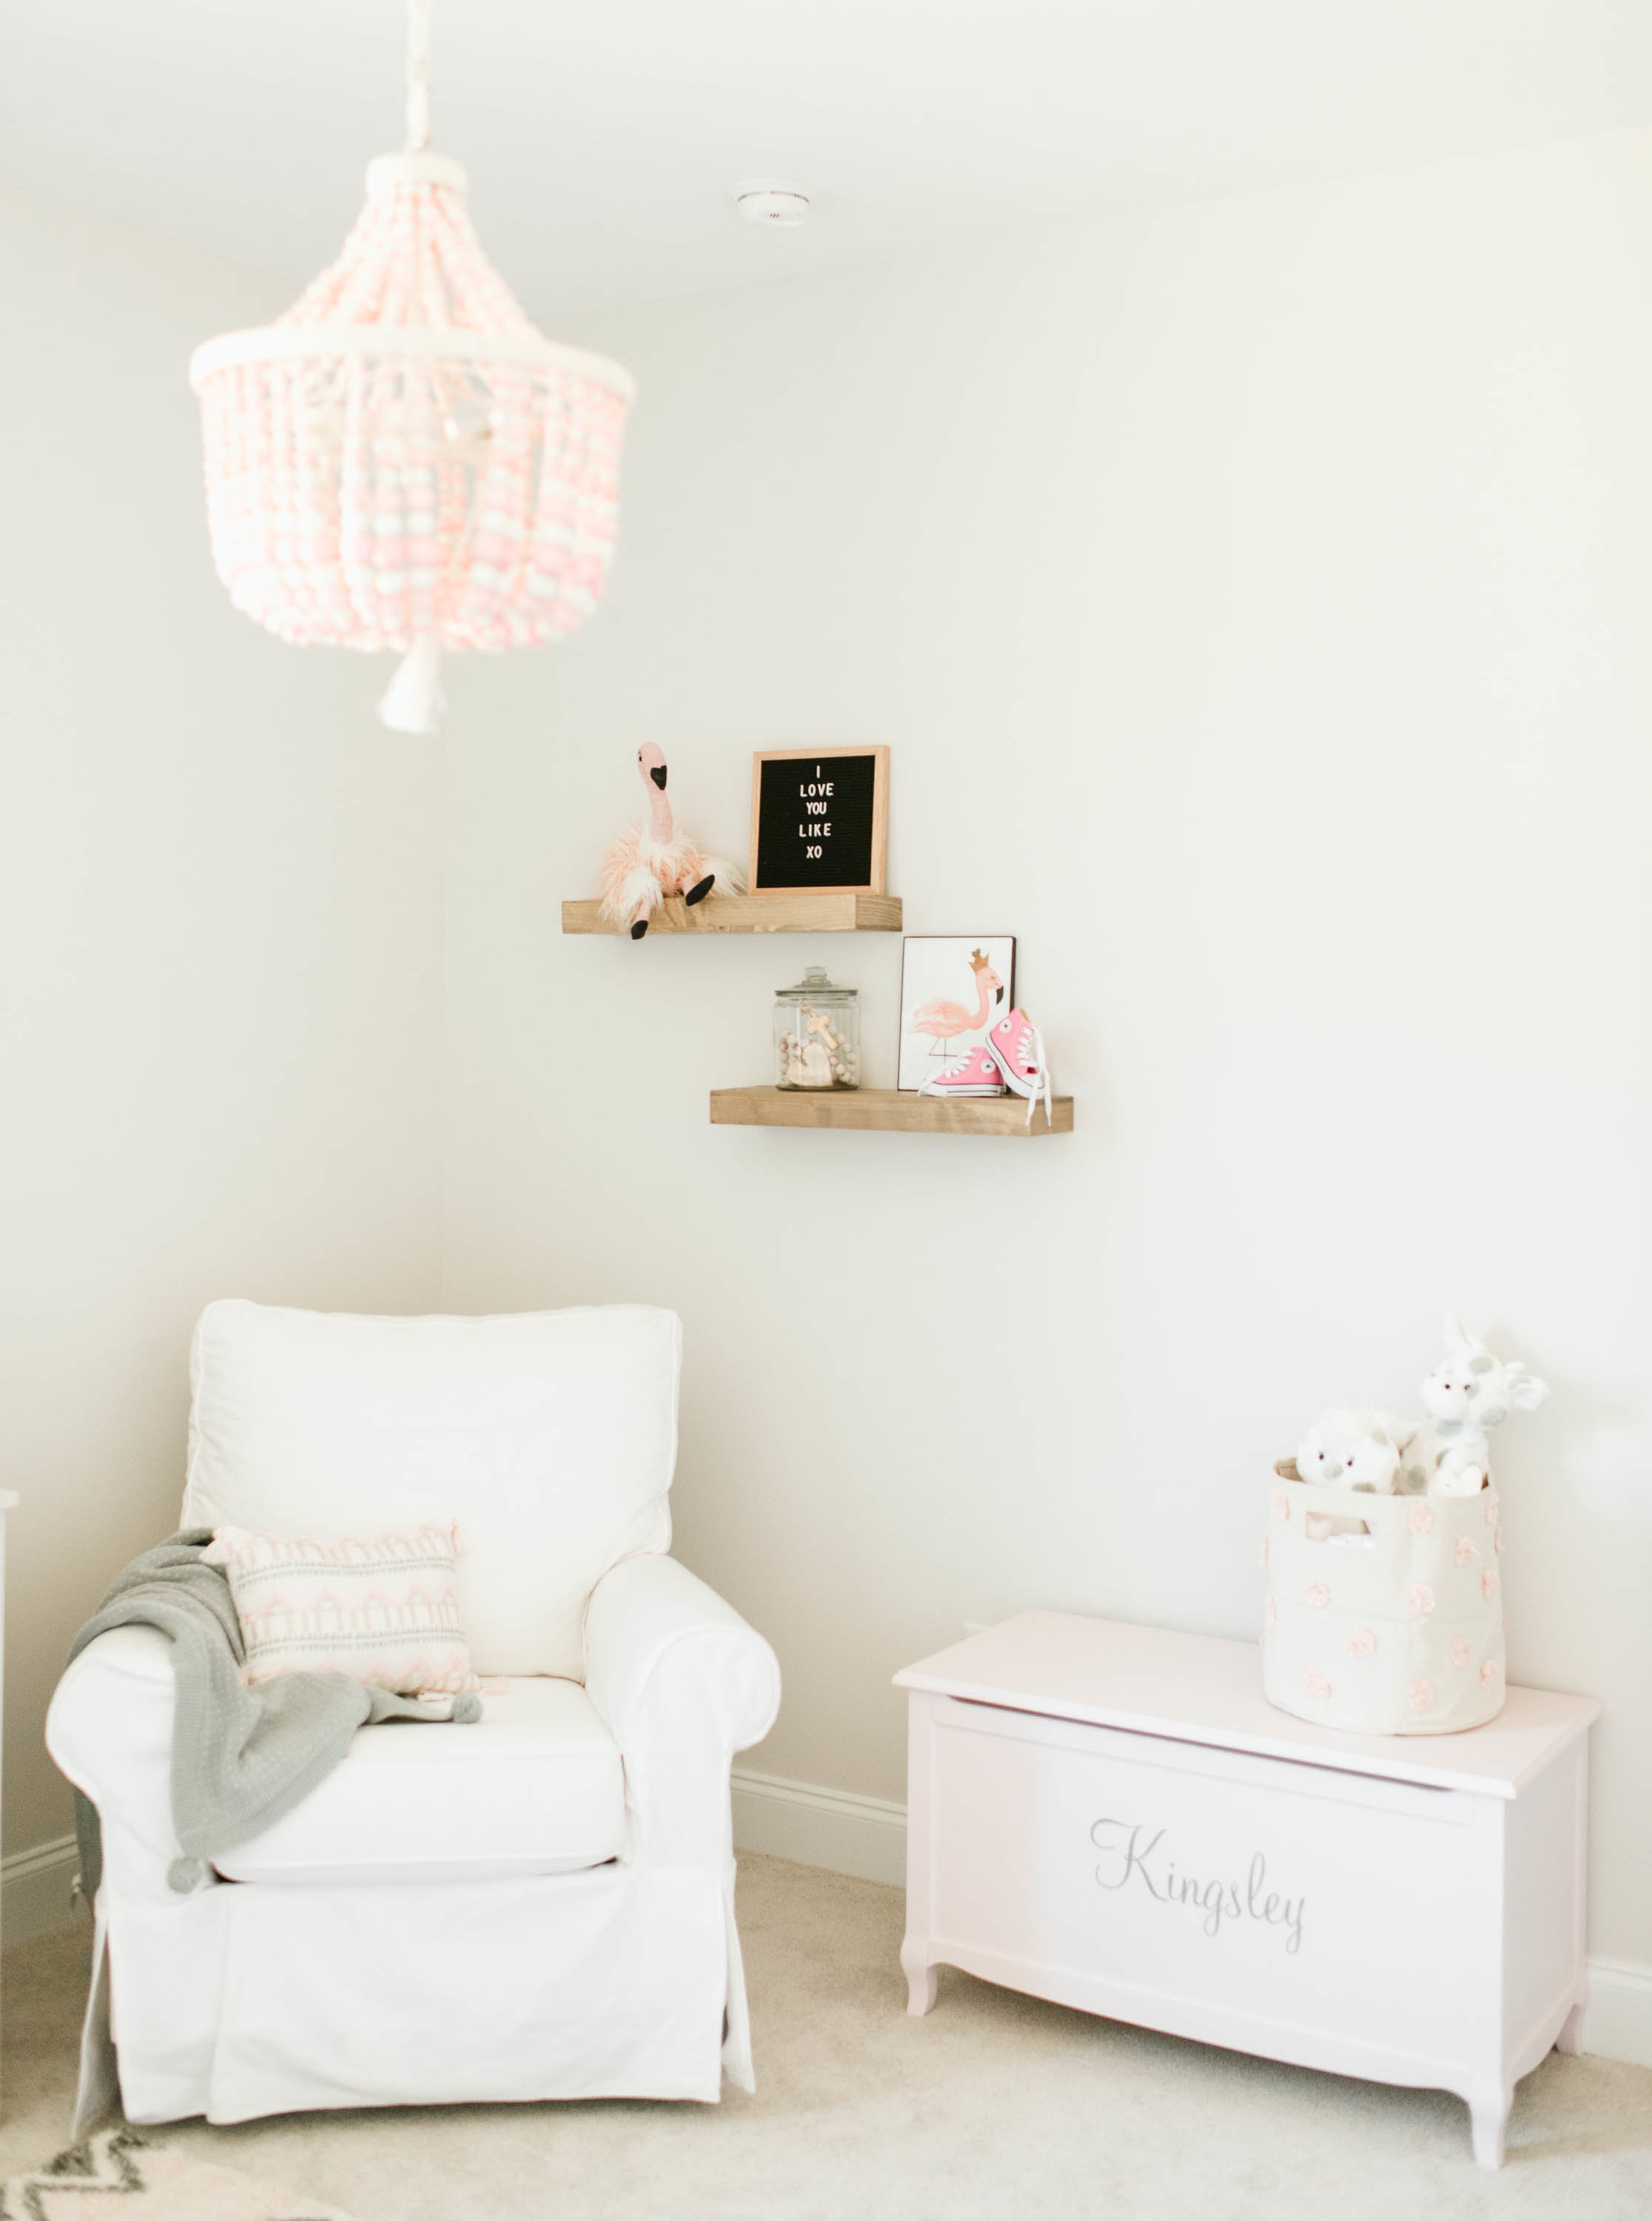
(1351, 1450)
(1468, 1392)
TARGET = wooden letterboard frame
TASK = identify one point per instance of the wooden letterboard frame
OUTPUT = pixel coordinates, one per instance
(820, 821)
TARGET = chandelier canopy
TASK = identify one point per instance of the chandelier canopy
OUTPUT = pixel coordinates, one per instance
(402, 460)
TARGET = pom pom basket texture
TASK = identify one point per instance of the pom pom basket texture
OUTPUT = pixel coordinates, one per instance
(1399, 1631)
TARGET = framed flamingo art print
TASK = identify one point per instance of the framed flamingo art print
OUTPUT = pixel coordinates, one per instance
(954, 988)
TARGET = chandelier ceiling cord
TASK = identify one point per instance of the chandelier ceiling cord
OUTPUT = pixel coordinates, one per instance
(402, 460)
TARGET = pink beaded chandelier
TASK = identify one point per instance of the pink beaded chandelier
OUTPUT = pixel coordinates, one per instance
(402, 460)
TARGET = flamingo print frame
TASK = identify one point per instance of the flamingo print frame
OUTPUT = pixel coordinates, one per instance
(954, 988)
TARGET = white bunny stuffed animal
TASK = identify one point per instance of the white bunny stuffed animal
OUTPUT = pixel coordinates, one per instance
(1468, 1392)
(1351, 1450)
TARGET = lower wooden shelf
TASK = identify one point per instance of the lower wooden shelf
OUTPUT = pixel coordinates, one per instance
(883, 1110)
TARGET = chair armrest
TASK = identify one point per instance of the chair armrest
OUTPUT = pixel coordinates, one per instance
(681, 1683)
(110, 1730)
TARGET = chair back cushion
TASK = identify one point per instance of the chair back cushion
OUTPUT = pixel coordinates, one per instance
(549, 1436)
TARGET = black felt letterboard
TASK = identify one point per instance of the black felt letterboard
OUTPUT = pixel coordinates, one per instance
(818, 821)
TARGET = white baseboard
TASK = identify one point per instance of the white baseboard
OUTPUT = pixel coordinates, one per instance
(34, 1890)
(867, 1836)
(1617, 2020)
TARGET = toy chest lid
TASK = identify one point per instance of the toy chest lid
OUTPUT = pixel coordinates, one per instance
(1205, 1689)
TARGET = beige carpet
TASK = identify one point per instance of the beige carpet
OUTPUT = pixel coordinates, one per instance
(152, 2181)
(995, 2108)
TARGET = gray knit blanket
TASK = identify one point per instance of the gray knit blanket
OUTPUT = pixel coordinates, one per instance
(241, 1757)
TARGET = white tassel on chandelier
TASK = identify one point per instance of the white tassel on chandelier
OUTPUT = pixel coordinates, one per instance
(413, 701)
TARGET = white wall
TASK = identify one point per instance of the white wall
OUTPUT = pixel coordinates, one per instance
(1255, 600)
(220, 920)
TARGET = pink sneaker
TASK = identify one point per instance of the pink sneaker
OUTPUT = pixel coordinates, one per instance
(974, 1072)
(1017, 1047)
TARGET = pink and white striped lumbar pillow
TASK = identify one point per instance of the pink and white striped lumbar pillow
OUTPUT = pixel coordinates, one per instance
(383, 1609)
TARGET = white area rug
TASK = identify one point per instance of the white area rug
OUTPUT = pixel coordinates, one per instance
(153, 2182)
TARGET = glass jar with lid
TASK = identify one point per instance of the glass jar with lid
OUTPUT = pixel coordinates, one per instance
(817, 1033)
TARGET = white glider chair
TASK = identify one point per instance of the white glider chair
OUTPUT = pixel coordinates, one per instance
(538, 1906)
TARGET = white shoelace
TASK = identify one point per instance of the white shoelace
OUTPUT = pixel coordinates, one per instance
(1040, 1077)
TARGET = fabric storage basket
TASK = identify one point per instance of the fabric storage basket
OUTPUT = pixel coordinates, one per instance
(1395, 1632)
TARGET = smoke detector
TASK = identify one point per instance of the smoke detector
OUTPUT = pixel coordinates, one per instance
(775, 207)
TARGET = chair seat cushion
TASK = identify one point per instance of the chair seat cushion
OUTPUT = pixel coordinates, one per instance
(534, 1786)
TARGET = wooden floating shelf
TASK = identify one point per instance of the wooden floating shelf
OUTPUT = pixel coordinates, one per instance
(849, 913)
(883, 1110)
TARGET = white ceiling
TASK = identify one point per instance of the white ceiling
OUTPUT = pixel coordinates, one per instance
(604, 137)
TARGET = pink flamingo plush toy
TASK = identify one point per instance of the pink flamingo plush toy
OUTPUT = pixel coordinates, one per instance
(647, 863)
(943, 1022)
